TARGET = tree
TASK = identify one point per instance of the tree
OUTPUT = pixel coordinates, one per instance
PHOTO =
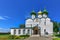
(55, 27)
(22, 26)
(59, 28)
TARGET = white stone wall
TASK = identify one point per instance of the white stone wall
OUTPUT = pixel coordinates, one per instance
(49, 28)
(39, 16)
(21, 32)
(28, 22)
(12, 31)
(44, 15)
(33, 16)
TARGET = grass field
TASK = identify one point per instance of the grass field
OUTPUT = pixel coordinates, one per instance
(6, 37)
(56, 39)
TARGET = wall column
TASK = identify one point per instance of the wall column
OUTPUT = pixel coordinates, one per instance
(17, 32)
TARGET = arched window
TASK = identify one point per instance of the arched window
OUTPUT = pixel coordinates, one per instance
(24, 31)
(14, 31)
(19, 31)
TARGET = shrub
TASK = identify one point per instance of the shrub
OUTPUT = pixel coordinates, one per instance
(12, 36)
(24, 35)
(17, 37)
(58, 35)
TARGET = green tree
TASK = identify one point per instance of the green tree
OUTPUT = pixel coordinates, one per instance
(22, 25)
(55, 27)
(59, 28)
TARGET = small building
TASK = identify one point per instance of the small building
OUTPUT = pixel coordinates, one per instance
(39, 24)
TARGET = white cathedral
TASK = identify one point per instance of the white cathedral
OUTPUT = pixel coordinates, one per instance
(38, 24)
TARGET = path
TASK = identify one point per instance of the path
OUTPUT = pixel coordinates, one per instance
(36, 37)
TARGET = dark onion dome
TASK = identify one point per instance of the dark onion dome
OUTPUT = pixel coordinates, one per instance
(45, 12)
(40, 13)
(33, 13)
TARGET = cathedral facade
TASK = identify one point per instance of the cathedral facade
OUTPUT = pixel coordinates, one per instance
(38, 24)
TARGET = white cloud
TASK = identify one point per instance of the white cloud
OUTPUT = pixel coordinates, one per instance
(3, 17)
(6, 16)
(4, 30)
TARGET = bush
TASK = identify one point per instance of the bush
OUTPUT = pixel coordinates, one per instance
(24, 35)
(18, 37)
(12, 36)
(58, 35)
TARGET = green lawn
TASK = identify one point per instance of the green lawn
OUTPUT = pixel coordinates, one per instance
(4, 35)
(9, 37)
(56, 39)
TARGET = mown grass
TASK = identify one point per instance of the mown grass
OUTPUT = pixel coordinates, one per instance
(12, 37)
(56, 38)
(4, 36)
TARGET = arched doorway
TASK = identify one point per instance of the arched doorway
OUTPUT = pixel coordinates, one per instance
(36, 31)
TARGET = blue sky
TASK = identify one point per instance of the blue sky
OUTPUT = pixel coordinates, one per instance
(14, 12)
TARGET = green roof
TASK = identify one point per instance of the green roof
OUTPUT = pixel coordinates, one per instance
(45, 12)
(33, 13)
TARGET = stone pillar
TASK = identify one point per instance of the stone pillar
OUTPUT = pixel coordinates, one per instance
(12, 31)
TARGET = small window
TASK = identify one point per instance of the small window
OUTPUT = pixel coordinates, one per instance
(19, 31)
(46, 33)
(44, 30)
(24, 31)
(44, 23)
(28, 31)
(14, 31)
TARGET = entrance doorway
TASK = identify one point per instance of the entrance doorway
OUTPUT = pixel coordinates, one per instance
(36, 30)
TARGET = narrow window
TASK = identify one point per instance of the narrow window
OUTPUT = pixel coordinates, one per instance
(19, 31)
(44, 23)
(24, 31)
(44, 30)
(28, 31)
(14, 31)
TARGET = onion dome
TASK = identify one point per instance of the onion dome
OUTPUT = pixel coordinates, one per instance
(33, 13)
(40, 13)
(45, 12)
